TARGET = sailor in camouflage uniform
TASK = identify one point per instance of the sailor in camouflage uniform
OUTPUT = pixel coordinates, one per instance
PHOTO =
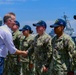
(41, 48)
(63, 49)
(12, 62)
(27, 63)
(16, 58)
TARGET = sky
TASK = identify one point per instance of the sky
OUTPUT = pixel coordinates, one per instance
(31, 11)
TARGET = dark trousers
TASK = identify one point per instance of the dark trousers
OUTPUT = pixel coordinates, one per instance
(1, 65)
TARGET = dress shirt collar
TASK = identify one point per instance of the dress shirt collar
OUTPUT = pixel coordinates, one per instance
(8, 28)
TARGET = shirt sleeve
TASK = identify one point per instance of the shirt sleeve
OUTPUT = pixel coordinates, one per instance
(8, 41)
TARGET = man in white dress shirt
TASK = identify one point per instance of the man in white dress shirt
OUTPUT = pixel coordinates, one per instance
(6, 41)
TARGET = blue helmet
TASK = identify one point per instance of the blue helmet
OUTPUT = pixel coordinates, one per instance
(58, 22)
(40, 23)
(26, 27)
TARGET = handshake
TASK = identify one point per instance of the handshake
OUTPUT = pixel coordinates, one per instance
(23, 53)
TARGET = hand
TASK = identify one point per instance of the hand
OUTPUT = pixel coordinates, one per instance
(44, 69)
(24, 53)
(31, 65)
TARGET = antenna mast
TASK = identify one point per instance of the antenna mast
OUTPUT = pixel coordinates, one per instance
(68, 29)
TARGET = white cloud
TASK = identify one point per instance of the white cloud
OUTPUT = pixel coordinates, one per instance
(2, 2)
(11, 1)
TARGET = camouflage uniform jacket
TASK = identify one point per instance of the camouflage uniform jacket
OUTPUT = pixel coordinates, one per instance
(16, 42)
(42, 49)
(25, 44)
(63, 49)
(16, 38)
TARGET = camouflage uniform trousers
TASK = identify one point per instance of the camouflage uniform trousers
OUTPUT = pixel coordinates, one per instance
(58, 72)
(55, 71)
(38, 70)
(16, 67)
(11, 67)
(8, 66)
(26, 70)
